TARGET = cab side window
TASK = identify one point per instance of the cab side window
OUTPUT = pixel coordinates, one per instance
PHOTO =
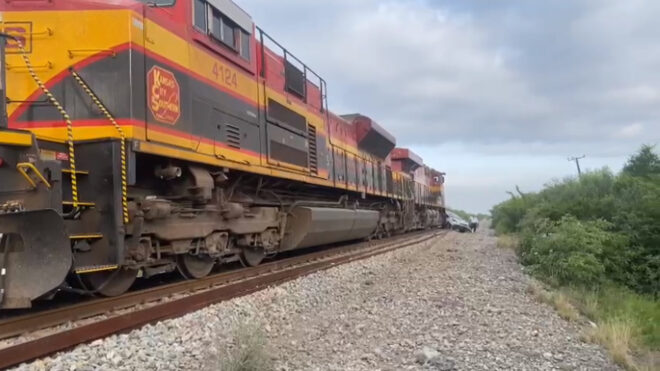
(200, 14)
(224, 31)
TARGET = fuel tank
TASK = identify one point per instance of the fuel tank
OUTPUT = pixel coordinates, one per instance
(313, 226)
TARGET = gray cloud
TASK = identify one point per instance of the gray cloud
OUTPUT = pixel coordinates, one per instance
(507, 71)
(497, 93)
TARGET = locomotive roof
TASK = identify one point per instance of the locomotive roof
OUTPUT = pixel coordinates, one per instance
(371, 137)
(235, 13)
(404, 154)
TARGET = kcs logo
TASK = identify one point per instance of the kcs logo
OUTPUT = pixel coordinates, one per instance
(21, 32)
(164, 95)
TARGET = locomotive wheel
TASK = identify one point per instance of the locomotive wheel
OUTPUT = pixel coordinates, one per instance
(110, 283)
(194, 266)
(252, 256)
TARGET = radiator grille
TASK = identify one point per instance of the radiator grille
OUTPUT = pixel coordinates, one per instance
(313, 158)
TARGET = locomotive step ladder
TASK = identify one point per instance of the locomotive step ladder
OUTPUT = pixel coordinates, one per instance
(78, 172)
(81, 204)
(86, 236)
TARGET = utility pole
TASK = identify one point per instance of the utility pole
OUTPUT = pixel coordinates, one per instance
(577, 163)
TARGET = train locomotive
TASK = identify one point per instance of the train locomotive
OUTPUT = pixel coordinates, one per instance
(140, 137)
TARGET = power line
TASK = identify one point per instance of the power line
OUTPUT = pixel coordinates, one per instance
(577, 163)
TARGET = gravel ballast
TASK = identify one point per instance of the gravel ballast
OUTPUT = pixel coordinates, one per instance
(454, 303)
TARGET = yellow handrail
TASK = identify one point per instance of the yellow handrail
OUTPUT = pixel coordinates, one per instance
(74, 52)
(23, 168)
(43, 67)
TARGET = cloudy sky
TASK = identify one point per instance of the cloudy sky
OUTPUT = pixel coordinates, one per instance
(495, 93)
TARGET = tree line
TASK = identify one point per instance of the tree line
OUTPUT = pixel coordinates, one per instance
(599, 228)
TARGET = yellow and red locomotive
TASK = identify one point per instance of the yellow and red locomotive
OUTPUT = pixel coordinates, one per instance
(140, 137)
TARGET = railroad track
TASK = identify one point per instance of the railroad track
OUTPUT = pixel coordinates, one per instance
(139, 308)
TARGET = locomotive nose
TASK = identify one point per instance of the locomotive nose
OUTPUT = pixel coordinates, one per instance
(35, 256)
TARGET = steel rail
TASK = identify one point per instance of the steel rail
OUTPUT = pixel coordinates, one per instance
(204, 292)
(36, 321)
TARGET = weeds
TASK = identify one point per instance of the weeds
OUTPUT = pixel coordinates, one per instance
(625, 323)
(540, 293)
(564, 307)
(558, 300)
(616, 335)
(508, 241)
(589, 305)
(248, 353)
(611, 302)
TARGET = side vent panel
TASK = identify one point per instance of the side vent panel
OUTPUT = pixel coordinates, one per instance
(282, 152)
(285, 147)
(295, 80)
(313, 156)
(281, 115)
(233, 136)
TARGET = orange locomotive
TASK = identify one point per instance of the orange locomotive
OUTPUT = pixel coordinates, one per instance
(141, 137)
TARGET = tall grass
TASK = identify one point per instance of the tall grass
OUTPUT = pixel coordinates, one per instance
(558, 299)
(627, 324)
(641, 312)
(616, 335)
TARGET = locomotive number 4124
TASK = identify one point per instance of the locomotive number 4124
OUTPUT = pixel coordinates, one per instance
(225, 75)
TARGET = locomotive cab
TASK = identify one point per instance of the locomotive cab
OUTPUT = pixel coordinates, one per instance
(58, 57)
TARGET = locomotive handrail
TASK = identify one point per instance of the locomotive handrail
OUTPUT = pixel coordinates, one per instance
(4, 120)
(23, 168)
(46, 66)
(28, 1)
(47, 32)
(286, 54)
(72, 52)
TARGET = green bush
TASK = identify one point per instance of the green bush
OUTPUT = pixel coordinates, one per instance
(590, 197)
(598, 238)
(570, 252)
(507, 216)
(601, 226)
(638, 216)
(645, 163)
